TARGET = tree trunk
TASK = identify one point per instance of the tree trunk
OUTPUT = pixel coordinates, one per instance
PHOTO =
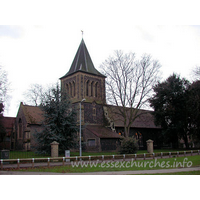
(186, 141)
(126, 131)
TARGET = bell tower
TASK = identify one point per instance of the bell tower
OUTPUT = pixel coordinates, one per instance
(84, 81)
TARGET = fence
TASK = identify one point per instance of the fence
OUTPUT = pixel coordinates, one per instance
(33, 162)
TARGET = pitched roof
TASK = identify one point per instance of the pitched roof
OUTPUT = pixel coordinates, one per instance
(102, 132)
(33, 114)
(145, 118)
(82, 62)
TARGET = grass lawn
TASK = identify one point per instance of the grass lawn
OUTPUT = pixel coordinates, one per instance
(30, 154)
(25, 154)
(167, 163)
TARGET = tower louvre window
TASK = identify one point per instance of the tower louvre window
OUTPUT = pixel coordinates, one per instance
(87, 88)
(96, 88)
(92, 88)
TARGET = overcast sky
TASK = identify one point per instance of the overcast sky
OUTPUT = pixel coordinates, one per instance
(43, 53)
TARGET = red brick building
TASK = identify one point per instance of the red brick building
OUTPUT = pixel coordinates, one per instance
(8, 124)
(101, 129)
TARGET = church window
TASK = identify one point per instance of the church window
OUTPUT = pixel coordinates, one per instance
(70, 89)
(87, 88)
(67, 87)
(91, 142)
(20, 128)
(94, 111)
(74, 87)
(96, 87)
(92, 88)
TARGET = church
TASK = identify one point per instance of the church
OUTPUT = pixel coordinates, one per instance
(101, 129)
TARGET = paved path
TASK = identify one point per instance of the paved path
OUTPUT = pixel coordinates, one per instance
(104, 173)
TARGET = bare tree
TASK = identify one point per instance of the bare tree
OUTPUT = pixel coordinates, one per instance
(4, 86)
(196, 73)
(35, 95)
(129, 84)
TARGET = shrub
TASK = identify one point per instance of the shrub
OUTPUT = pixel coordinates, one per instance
(129, 145)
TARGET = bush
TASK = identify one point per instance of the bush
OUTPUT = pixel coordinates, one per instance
(129, 145)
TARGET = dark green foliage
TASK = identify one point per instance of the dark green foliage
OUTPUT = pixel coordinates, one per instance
(171, 109)
(129, 145)
(194, 109)
(59, 124)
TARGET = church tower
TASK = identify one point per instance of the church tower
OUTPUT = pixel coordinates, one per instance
(84, 81)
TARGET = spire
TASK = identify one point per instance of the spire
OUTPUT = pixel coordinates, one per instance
(82, 62)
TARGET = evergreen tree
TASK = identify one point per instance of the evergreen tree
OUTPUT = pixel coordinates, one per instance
(59, 124)
(194, 109)
(171, 109)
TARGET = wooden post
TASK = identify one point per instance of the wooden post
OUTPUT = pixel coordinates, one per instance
(169, 154)
(177, 153)
(63, 161)
(135, 156)
(124, 157)
(161, 154)
(144, 156)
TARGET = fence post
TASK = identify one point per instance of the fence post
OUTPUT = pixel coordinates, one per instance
(153, 155)
(32, 162)
(18, 161)
(113, 157)
(124, 157)
(198, 152)
(184, 153)
(161, 154)
(89, 158)
(48, 162)
(144, 156)
(63, 161)
(191, 152)
(1, 163)
(169, 154)
(102, 158)
(177, 153)
(135, 156)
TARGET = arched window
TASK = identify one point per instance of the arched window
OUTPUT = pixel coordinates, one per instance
(87, 88)
(67, 87)
(20, 129)
(74, 87)
(92, 89)
(70, 89)
(96, 88)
